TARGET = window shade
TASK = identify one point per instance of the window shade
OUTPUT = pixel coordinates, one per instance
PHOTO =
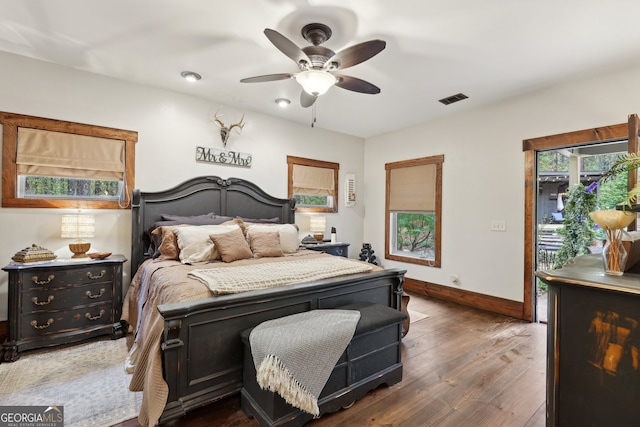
(413, 189)
(47, 153)
(313, 180)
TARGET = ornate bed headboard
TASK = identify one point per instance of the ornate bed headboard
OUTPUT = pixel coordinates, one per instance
(229, 197)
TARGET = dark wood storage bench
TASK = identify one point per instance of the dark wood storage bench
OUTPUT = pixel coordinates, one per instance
(372, 358)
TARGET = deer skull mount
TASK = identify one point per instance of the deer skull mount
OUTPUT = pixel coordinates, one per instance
(225, 131)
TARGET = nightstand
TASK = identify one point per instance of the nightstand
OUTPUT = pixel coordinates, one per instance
(60, 302)
(338, 249)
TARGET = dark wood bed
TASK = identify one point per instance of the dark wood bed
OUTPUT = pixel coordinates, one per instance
(195, 375)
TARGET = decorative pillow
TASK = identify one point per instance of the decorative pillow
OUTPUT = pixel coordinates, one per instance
(232, 245)
(167, 248)
(194, 242)
(265, 244)
(167, 217)
(274, 220)
(288, 234)
(217, 220)
(239, 223)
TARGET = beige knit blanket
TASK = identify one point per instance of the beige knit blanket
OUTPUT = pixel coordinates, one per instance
(295, 355)
(245, 278)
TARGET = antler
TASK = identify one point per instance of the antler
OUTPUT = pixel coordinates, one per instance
(240, 125)
(218, 121)
(226, 131)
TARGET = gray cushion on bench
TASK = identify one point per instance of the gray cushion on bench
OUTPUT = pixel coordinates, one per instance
(374, 316)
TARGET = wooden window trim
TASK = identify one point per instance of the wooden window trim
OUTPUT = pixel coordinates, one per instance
(438, 161)
(292, 160)
(11, 122)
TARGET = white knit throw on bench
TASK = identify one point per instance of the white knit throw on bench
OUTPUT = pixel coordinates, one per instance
(294, 355)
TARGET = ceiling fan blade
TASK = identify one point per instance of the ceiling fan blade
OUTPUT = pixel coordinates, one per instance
(307, 100)
(267, 78)
(287, 47)
(355, 54)
(356, 85)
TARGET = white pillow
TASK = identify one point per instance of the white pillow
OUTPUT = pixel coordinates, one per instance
(288, 235)
(195, 244)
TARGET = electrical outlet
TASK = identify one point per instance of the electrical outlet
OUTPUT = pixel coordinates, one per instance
(498, 225)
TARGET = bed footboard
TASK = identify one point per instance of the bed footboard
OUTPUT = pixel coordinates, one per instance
(202, 349)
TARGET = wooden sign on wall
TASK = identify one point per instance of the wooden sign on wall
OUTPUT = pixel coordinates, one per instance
(222, 157)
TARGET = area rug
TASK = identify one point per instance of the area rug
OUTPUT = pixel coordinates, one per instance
(88, 380)
(416, 316)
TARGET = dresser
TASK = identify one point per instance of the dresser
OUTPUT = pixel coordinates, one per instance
(61, 302)
(337, 249)
(593, 345)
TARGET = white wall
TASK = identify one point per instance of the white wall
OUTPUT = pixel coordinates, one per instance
(483, 170)
(169, 126)
(483, 175)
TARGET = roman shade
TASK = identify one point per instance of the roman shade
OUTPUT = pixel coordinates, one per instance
(313, 180)
(413, 189)
(48, 153)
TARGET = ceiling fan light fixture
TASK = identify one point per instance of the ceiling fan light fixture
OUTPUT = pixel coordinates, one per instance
(283, 102)
(190, 76)
(315, 82)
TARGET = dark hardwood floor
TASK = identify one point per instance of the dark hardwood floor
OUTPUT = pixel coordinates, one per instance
(462, 367)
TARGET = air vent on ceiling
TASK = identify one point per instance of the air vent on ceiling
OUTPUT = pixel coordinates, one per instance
(453, 98)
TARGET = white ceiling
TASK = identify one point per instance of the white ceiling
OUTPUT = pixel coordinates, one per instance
(487, 49)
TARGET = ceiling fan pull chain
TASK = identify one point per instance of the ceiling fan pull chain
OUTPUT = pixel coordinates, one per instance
(313, 115)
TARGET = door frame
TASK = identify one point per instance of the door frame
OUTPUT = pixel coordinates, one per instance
(565, 140)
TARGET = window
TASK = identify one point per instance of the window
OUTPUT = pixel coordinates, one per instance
(314, 184)
(413, 210)
(56, 164)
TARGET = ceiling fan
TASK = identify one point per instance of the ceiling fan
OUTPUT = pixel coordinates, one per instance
(318, 64)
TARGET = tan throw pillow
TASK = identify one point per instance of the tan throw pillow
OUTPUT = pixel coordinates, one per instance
(240, 223)
(195, 244)
(265, 244)
(232, 245)
(289, 241)
(168, 247)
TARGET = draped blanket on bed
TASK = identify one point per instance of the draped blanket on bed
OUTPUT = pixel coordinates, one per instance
(163, 282)
(250, 277)
(294, 355)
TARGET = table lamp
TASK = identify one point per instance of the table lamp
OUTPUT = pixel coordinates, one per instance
(78, 226)
(318, 225)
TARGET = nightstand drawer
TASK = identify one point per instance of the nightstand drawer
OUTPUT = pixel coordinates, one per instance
(65, 298)
(43, 323)
(337, 249)
(341, 250)
(56, 278)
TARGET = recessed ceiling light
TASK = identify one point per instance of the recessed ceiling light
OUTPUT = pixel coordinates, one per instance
(283, 102)
(190, 76)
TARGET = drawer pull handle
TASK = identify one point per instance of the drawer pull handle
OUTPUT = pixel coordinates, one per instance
(88, 315)
(88, 293)
(91, 276)
(34, 323)
(42, 282)
(36, 302)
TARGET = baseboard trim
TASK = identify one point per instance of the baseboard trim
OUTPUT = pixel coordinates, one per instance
(464, 297)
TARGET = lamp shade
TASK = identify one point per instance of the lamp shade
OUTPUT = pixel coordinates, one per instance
(76, 226)
(317, 224)
(315, 82)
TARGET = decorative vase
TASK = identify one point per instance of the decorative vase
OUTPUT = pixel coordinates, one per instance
(613, 222)
(614, 254)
